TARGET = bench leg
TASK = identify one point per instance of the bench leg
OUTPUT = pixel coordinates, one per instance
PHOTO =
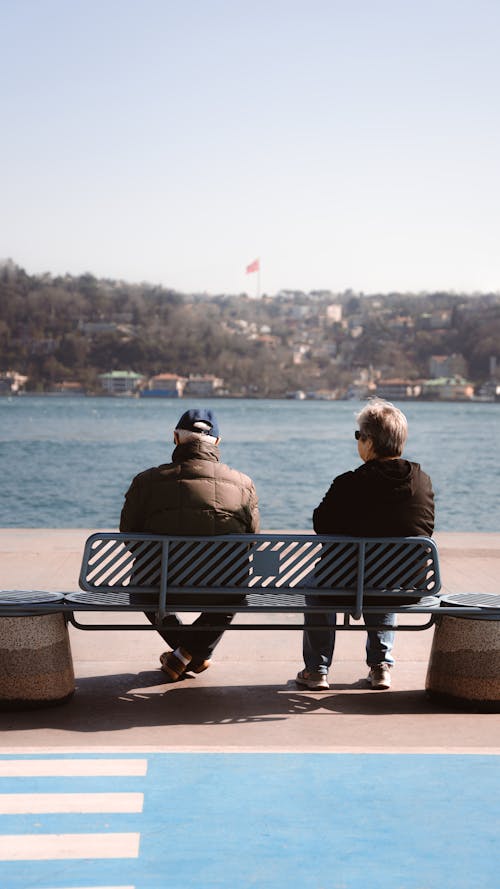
(36, 667)
(464, 664)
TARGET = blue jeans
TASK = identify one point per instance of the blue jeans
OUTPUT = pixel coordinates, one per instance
(318, 645)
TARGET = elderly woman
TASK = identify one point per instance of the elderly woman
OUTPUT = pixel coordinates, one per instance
(387, 496)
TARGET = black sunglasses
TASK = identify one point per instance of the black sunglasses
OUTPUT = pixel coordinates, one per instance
(357, 435)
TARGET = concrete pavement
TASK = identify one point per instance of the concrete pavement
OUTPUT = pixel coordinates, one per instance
(247, 700)
(236, 778)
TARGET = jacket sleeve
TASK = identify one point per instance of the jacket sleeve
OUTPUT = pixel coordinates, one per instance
(427, 506)
(131, 517)
(253, 516)
(323, 513)
(332, 516)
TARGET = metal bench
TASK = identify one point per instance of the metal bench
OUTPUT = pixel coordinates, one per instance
(255, 574)
(268, 578)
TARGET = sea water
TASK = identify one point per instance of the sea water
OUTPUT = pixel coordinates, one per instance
(66, 462)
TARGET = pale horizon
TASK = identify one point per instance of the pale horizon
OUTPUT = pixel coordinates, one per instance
(347, 146)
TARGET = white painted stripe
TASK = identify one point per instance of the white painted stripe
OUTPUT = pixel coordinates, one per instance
(40, 768)
(55, 846)
(37, 803)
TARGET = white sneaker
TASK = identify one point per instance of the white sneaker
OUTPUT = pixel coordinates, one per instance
(315, 681)
(380, 676)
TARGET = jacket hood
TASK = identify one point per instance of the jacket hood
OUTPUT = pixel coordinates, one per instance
(196, 450)
(392, 479)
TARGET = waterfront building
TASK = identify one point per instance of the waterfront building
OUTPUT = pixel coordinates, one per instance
(11, 382)
(398, 390)
(448, 389)
(203, 385)
(67, 387)
(447, 365)
(121, 382)
(164, 386)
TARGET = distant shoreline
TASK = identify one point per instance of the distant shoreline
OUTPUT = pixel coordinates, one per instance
(106, 395)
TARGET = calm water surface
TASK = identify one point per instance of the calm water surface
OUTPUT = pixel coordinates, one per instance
(67, 462)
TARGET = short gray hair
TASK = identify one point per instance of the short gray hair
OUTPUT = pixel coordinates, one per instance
(185, 435)
(385, 425)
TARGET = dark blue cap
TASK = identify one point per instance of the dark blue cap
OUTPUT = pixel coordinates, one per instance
(199, 420)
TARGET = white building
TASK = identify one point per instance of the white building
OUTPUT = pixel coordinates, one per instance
(203, 385)
(121, 382)
(334, 313)
(164, 386)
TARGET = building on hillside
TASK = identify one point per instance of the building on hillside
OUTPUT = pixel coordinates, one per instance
(121, 382)
(400, 323)
(334, 313)
(203, 385)
(164, 386)
(364, 385)
(438, 320)
(300, 351)
(325, 351)
(11, 382)
(448, 389)
(398, 390)
(68, 387)
(43, 345)
(447, 365)
(299, 312)
(268, 340)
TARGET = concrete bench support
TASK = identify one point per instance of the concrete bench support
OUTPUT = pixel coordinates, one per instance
(464, 664)
(36, 667)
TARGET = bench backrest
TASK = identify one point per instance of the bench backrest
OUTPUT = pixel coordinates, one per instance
(349, 566)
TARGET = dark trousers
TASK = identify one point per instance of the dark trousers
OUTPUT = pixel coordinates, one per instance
(199, 643)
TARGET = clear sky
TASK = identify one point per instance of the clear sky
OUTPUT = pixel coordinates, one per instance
(347, 143)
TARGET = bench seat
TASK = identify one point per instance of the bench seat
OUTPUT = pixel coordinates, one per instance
(258, 602)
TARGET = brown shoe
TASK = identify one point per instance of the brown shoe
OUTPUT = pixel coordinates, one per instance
(198, 666)
(173, 666)
(380, 676)
(314, 681)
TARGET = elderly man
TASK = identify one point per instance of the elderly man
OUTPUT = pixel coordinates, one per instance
(386, 496)
(194, 494)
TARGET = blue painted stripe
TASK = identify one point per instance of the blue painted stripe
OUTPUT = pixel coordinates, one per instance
(49, 784)
(114, 822)
(280, 821)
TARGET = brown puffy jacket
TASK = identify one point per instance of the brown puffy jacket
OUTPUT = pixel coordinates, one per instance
(195, 494)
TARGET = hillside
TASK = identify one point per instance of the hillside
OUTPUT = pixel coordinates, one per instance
(55, 329)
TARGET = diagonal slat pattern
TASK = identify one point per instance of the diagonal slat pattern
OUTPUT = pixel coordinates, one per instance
(264, 562)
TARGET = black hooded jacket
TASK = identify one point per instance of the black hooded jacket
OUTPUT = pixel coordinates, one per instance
(381, 498)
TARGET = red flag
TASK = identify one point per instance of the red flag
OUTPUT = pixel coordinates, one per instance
(253, 267)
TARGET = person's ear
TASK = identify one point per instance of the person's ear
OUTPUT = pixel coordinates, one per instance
(176, 437)
(370, 450)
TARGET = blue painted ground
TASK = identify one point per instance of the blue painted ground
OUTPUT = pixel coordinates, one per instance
(280, 821)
